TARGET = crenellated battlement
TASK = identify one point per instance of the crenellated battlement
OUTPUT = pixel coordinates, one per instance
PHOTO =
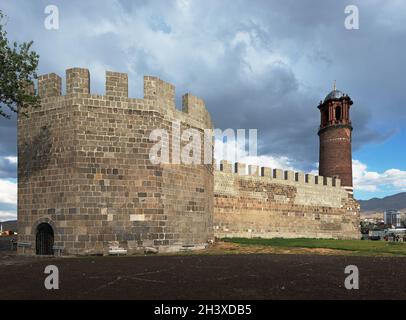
(302, 178)
(116, 84)
(85, 169)
(91, 153)
(77, 81)
(159, 95)
(49, 85)
(159, 90)
(252, 201)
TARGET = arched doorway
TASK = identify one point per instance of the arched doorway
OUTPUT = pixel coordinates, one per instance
(44, 240)
(338, 113)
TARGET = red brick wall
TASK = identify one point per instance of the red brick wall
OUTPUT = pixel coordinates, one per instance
(335, 153)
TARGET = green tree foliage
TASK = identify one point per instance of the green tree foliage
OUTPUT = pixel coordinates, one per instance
(18, 65)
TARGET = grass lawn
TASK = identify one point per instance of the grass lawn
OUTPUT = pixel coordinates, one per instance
(358, 247)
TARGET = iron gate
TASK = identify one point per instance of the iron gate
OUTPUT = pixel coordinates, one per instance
(44, 241)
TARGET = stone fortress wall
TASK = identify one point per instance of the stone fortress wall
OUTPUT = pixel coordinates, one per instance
(275, 203)
(84, 168)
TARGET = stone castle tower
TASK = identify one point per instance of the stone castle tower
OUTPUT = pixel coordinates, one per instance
(85, 181)
(87, 185)
(335, 138)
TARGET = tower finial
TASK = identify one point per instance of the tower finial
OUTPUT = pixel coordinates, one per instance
(334, 86)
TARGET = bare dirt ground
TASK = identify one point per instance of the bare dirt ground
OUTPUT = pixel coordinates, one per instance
(231, 276)
(234, 248)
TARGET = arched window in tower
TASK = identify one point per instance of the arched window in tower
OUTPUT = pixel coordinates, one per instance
(338, 113)
(325, 117)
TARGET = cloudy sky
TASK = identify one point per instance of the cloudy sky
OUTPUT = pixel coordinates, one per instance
(257, 64)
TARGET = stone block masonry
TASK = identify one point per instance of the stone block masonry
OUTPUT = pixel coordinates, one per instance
(86, 183)
(84, 169)
(283, 204)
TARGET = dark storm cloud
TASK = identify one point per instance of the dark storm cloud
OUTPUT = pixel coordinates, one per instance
(8, 169)
(257, 64)
(8, 137)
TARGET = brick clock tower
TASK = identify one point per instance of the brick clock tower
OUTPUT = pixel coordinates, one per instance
(335, 138)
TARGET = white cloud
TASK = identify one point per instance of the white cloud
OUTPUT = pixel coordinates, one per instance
(364, 180)
(7, 215)
(257, 58)
(371, 181)
(8, 192)
(234, 152)
(12, 160)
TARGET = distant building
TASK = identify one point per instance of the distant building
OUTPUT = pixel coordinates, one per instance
(392, 217)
